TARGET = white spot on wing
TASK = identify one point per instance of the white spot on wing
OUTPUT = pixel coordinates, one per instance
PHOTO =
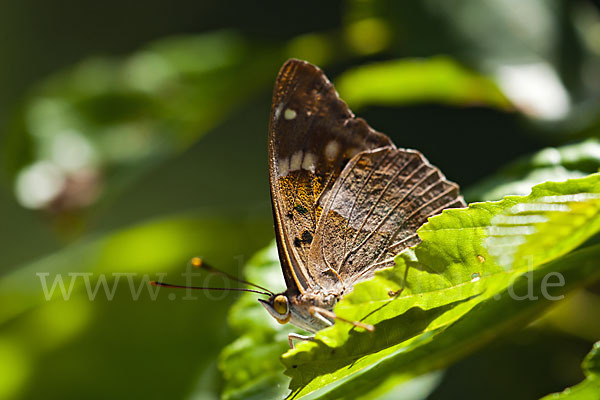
(332, 149)
(284, 166)
(278, 110)
(296, 161)
(310, 162)
(289, 114)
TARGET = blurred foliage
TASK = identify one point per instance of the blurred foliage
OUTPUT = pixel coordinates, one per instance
(518, 177)
(250, 365)
(50, 340)
(590, 388)
(413, 81)
(91, 129)
(146, 145)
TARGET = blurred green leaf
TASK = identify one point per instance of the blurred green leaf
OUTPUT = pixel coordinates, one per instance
(546, 62)
(589, 389)
(526, 34)
(549, 164)
(87, 130)
(467, 257)
(433, 80)
(69, 342)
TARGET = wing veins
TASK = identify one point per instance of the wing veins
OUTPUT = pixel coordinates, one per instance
(366, 218)
(400, 242)
(371, 267)
(370, 175)
(435, 212)
(439, 196)
(408, 217)
(384, 219)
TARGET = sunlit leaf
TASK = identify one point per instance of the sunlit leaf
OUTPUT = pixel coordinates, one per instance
(434, 80)
(550, 164)
(466, 260)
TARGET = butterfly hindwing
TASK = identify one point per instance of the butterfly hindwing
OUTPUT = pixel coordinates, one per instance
(375, 208)
(312, 136)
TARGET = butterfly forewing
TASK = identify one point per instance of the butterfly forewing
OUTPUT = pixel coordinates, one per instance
(312, 136)
(375, 208)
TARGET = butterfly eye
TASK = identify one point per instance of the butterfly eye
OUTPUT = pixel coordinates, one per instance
(280, 304)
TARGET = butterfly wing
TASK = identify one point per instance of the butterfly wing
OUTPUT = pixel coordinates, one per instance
(312, 135)
(375, 208)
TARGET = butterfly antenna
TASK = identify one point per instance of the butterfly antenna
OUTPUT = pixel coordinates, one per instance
(199, 263)
(169, 285)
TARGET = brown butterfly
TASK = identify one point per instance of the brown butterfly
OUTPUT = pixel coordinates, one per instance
(345, 200)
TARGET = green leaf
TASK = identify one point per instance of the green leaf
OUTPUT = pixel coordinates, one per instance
(549, 164)
(448, 283)
(104, 120)
(589, 389)
(485, 322)
(61, 341)
(399, 82)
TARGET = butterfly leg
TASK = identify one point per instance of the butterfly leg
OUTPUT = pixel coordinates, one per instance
(292, 336)
(321, 314)
(324, 314)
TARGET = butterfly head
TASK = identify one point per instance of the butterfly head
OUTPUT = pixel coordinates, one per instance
(297, 309)
(278, 306)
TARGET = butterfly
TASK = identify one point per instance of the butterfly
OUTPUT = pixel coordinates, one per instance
(345, 199)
